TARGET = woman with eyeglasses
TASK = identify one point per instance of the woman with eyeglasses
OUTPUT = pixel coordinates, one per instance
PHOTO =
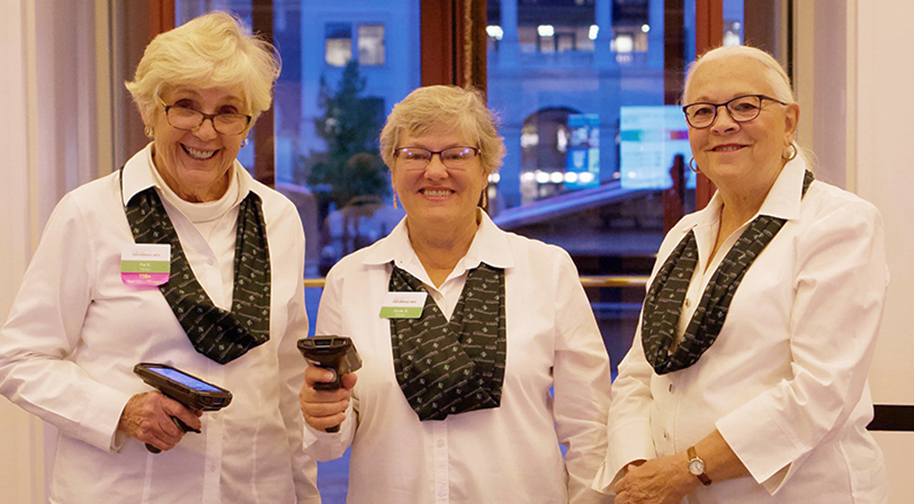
(179, 258)
(746, 381)
(481, 354)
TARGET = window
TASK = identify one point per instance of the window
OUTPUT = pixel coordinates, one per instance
(371, 44)
(338, 44)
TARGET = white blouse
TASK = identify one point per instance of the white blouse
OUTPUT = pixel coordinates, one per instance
(785, 381)
(507, 454)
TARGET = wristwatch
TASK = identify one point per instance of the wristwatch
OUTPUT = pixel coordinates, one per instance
(697, 467)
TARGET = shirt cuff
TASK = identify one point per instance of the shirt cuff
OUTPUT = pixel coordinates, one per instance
(627, 443)
(769, 452)
(98, 427)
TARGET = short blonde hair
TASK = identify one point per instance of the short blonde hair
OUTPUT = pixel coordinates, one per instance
(451, 106)
(213, 50)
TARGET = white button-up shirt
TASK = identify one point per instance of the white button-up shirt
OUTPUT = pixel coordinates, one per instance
(785, 381)
(76, 330)
(509, 454)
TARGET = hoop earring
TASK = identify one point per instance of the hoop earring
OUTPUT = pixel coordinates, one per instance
(792, 155)
(149, 131)
(244, 142)
(694, 166)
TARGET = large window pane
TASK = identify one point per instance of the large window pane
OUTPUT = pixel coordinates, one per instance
(345, 65)
(594, 136)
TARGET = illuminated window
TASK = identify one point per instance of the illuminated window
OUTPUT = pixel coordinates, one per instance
(371, 44)
(338, 40)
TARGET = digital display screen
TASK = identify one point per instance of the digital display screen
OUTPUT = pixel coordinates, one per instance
(184, 379)
(650, 138)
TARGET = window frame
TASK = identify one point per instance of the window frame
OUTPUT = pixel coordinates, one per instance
(453, 51)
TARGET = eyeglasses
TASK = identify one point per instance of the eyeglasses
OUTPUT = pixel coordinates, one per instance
(455, 158)
(741, 109)
(184, 118)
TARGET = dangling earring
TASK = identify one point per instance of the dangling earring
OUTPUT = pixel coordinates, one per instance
(149, 131)
(395, 200)
(484, 199)
(792, 155)
(694, 166)
(244, 142)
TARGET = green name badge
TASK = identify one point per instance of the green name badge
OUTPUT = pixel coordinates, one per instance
(403, 305)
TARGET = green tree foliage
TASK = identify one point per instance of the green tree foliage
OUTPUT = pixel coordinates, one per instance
(351, 167)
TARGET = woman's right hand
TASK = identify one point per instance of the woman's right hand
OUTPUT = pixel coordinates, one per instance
(324, 409)
(148, 418)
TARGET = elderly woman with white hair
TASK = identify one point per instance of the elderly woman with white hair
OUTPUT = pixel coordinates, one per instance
(454, 403)
(746, 381)
(219, 295)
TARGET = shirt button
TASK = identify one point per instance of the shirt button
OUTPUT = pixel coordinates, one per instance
(666, 434)
(688, 302)
(672, 388)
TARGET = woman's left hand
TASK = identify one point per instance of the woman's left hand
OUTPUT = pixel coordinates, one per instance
(664, 480)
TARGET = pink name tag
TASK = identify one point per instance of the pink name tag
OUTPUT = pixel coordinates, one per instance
(146, 264)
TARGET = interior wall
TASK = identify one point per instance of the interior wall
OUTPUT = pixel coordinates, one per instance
(880, 91)
(49, 141)
(20, 465)
(880, 75)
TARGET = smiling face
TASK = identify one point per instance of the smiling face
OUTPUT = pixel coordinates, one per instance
(747, 156)
(438, 196)
(196, 164)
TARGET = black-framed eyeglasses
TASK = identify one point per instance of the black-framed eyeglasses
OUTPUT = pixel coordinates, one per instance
(417, 158)
(184, 118)
(742, 109)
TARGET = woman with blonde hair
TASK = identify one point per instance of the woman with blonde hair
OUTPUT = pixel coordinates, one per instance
(454, 402)
(223, 302)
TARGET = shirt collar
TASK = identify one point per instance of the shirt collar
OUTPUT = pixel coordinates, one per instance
(137, 176)
(783, 200)
(490, 245)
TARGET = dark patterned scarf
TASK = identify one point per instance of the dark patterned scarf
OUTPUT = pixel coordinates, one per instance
(220, 335)
(448, 367)
(663, 304)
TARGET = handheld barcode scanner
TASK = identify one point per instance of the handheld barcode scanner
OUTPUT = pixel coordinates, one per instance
(192, 392)
(336, 353)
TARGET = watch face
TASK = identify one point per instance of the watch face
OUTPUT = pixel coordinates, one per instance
(696, 467)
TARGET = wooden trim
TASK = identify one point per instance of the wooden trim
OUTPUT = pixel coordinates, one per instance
(453, 43)
(161, 16)
(709, 33)
(436, 41)
(264, 129)
(892, 417)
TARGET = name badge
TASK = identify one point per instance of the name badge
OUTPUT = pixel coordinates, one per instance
(146, 263)
(403, 305)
